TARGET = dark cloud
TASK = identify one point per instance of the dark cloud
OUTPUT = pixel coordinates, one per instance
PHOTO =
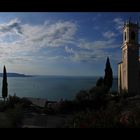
(13, 25)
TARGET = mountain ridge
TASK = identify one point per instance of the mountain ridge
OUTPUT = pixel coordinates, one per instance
(12, 74)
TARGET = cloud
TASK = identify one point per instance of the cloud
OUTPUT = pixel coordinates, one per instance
(69, 50)
(119, 23)
(24, 43)
(18, 39)
(109, 34)
(86, 51)
(51, 35)
(12, 27)
(87, 56)
(99, 44)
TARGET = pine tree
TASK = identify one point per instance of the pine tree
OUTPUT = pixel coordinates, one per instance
(4, 84)
(108, 78)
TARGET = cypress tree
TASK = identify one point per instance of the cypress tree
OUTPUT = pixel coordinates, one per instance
(108, 78)
(4, 84)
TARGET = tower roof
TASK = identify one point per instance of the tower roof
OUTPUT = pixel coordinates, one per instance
(129, 23)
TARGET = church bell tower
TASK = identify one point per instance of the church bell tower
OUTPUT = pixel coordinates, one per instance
(129, 67)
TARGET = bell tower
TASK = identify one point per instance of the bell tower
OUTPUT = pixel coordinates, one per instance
(130, 58)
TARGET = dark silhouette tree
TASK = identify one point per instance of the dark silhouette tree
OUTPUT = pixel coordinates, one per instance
(108, 78)
(4, 84)
(100, 82)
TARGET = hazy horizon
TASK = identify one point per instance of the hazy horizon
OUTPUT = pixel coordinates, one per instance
(62, 75)
(53, 43)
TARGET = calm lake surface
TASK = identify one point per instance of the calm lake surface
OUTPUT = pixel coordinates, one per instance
(50, 87)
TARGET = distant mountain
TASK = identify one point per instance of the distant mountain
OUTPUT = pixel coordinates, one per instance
(15, 75)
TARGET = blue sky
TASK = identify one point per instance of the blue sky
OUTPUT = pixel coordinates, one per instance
(61, 43)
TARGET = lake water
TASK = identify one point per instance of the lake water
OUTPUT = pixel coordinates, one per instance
(50, 87)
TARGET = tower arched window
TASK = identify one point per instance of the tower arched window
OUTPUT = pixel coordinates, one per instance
(125, 36)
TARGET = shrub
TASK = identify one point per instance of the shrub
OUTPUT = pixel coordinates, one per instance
(82, 95)
(108, 118)
(25, 102)
(67, 106)
(13, 100)
(94, 98)
(100, 82)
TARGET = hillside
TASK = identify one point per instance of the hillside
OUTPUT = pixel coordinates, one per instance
(15, 75)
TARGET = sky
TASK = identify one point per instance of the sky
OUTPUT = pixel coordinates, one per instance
(61, 43)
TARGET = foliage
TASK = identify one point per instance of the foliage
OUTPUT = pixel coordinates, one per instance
(97, 92)
(119, 112)
(94, 98)
(102, 118)
(67, 106)
(4, 84)
(82, 95)
(13, 100)
(100, 82)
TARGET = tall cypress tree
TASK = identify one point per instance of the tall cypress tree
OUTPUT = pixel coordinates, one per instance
(108, 78)
(4, 84)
